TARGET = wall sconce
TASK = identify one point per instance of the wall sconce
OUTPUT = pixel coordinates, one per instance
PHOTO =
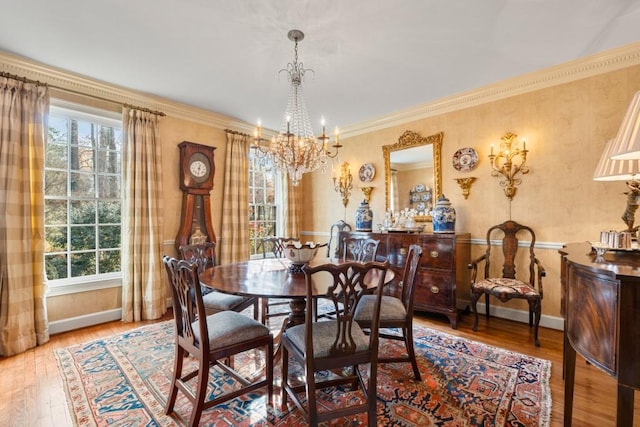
(504, 164)
(343, 183)
(367, 193)
(465, 184)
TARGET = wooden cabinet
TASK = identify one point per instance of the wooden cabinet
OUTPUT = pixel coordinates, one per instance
(442, 267)
(601, 307)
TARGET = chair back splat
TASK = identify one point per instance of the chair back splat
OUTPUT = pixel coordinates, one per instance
(335, 345)
(334, 232)
(211, 340)
(274, 247)
(509, 286)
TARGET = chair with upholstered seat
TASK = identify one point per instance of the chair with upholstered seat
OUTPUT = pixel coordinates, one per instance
(353, 248)
(334, 233)
(335, 345)
(210, 339)
(396, 312)
(214, 301)
(273, 247)
(506, 286)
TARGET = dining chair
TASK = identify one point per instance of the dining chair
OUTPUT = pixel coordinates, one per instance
(273, 247)
(334, 232)
(214, 301)
(335, 345)
(210, 339)
(396, 312)
(506, 286)
(353, 248)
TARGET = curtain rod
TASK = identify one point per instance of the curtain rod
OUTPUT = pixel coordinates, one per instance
(39, 83)
(234, 132)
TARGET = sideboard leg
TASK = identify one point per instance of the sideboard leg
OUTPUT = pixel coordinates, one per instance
(625, 406)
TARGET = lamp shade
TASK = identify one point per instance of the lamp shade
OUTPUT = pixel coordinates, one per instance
(615, 170)
(626, 144)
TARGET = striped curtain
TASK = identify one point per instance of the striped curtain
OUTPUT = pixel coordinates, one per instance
(24, 110)
(143, 291)
(292, 216)
(234, 236)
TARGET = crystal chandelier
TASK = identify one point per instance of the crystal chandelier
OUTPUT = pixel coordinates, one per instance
(295, 150)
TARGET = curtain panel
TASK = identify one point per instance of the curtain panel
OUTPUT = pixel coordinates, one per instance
(24, 110)
(235, 203)
(143, 290)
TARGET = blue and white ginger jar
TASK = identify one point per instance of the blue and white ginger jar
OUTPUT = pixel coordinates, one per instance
(364, 217)
(444, 216)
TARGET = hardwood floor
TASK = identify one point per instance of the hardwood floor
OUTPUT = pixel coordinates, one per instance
(31, 391)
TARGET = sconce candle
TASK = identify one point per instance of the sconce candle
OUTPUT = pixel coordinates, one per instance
(343, 184)
(504, 164)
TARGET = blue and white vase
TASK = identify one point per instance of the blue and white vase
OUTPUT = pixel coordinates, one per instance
(444, 216)
(364, 217)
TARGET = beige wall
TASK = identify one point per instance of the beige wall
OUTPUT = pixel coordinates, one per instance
(566, 128)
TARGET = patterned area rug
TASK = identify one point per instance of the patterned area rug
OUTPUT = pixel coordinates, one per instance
(123, 380)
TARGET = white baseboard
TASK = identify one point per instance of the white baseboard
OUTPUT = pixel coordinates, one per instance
(522, 316)
(78, 322)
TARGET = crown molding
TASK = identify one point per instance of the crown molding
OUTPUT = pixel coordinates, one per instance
(601, 63)
(80, 85)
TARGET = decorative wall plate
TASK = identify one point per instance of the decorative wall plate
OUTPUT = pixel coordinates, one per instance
(420, 188)
(465, 159)
(367, 172)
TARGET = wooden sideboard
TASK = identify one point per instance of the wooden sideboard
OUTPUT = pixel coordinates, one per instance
(442, 267)
(601, 308)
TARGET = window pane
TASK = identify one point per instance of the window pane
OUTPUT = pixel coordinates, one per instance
(259, 194)
(109, 212)
(55, 211)
(83, 264)
(252, 213)
(55, 183)
(58, 128)
(109, 187)
(55, 239)
(83, 238)
(83, 212)
(109, 162)
(109, 261)
(56, 266)
(82, 159)
(82, 184)
(57, 156)
(109, 236)
(86, 133)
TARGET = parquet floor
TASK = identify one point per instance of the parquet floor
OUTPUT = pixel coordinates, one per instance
(31, 391)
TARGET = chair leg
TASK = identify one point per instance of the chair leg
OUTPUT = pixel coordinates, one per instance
(285, 378)
(486, 305)
(408, 341)
(177, 373)
(536, 307)
(264, 302)
(200, 394)
(269, 362)
(372, 395)
(474, 308)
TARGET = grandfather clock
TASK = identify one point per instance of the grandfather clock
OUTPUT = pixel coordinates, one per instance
(196, 181)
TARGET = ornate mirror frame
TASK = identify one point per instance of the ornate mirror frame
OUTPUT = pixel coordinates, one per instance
(411, 139)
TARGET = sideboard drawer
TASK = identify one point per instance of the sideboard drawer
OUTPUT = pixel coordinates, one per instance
(437, 253)
(434, 289)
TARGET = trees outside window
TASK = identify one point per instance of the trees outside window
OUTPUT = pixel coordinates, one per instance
(263, 210)
(83, 196)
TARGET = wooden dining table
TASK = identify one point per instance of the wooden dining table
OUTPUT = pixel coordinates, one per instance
(271, 278)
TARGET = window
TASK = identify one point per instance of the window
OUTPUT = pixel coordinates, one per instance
(83, 196)
(263, 207)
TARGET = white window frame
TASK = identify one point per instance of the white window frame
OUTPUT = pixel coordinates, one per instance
(94, 282)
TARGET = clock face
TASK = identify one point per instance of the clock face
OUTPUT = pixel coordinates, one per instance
(199, 167)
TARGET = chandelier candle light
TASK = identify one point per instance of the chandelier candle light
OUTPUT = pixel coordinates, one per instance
(504, 164)
(295, 150)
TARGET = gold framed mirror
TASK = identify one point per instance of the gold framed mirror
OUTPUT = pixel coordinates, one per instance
(413, 158)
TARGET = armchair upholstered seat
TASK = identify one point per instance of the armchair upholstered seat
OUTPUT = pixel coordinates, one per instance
(507, 286)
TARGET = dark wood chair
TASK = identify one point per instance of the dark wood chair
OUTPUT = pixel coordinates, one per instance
(334, 232)
(507, 286)
(396, 312)
(214, 301)
(211, 340)
(273, 247)
(335, 345)
(360, 249)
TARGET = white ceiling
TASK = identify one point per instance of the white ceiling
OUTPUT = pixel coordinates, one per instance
(371, 57)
